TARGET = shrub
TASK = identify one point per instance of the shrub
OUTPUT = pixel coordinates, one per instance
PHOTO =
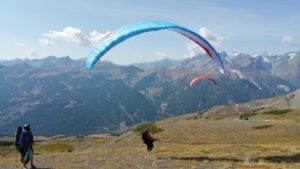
(263, 127)
(152, 128)
(6, 143)
(277, 112)
(247, 115)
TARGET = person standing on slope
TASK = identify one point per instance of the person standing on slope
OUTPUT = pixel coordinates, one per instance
(148, 139)
(25, 143)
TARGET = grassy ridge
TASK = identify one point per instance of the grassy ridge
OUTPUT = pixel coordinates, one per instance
(57, 148)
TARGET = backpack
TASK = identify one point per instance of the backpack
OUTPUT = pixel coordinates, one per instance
(17, 138)
(145, 137)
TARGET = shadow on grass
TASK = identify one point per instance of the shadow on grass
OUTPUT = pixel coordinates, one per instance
(272, 159)
(203, 158)
(6, 143)
(278, 159)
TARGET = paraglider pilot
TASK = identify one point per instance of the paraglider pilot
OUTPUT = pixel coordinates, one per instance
(148, 139)
(25, 143)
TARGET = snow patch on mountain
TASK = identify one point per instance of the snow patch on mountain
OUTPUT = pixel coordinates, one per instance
(237, 73)
(292, 56)
(266, 60)
(255, 83)
(254, 55)
(283, 87)
(234, 54)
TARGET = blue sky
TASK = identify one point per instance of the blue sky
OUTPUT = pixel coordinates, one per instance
(36, 29)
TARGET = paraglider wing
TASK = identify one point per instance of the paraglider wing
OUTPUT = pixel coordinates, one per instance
(114, 38)
(196, 79)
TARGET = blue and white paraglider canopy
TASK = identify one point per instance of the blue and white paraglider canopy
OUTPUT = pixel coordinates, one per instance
(112, 39)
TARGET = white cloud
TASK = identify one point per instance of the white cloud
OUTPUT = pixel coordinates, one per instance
(213, 38)
(73, 35)
(160, 54)
(32, 53)
(95, 36)
(69, 34)
(46, 42)
(20, 45)
(193, 49)
(267, 53)
(289, 40)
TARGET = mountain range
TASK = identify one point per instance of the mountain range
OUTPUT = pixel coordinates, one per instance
(59, 96)
(267, 136)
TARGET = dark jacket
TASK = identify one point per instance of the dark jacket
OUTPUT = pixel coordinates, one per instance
(26, 139)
